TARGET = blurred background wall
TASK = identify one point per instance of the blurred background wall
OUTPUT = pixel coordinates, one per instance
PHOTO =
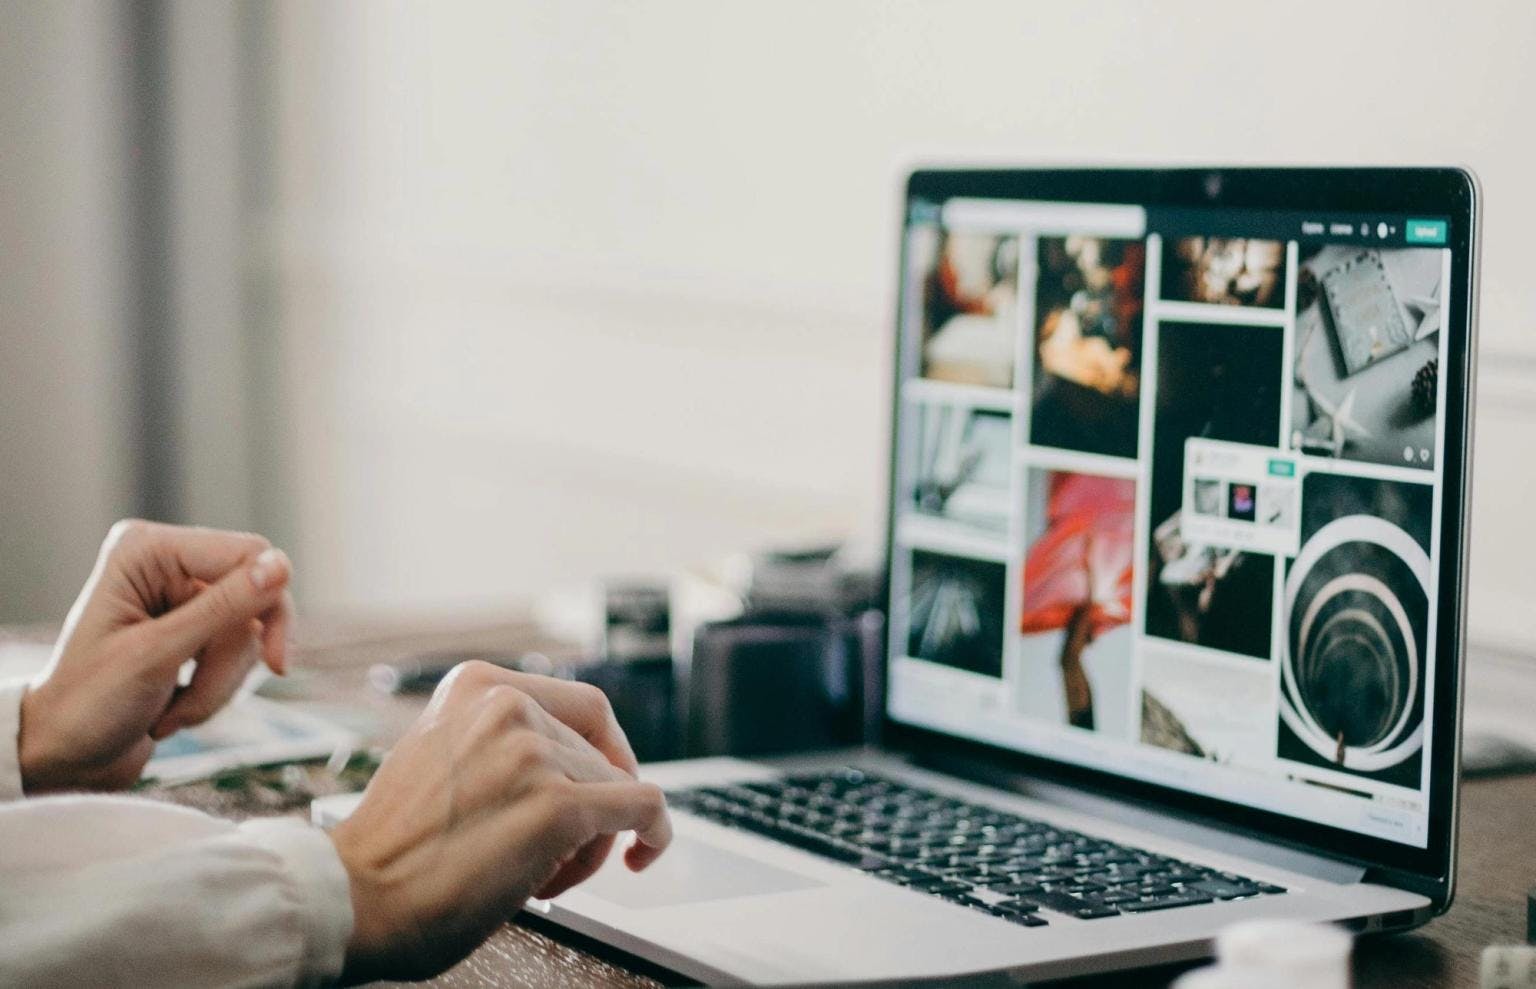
(469, 300)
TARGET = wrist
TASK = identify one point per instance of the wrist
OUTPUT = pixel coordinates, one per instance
(366, 943)
(43, 768)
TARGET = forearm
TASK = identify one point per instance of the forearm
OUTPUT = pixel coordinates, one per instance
(120, 891)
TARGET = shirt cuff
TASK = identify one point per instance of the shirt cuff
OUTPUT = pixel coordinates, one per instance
(319, 880)
(10, 738)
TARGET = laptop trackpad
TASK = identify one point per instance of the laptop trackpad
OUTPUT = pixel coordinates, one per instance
(690, 872)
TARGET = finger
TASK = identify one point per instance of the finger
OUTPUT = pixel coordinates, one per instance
(277, 633)
(221, 669)
(510, 718)
(202, 554)
(581, 867)
(273, 628)
(587, 766)
(630, 805)
(581, 761)
(230, 602)
(584, 708)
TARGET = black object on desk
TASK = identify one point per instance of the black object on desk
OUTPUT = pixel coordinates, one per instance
(800, 669)
(643, 693)
(765, 687)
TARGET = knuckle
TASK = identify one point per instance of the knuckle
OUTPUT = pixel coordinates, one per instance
(480, 670)
(652, 796)
(527, 751)
(509, 704)
(453, 684)
(593, 700)
(477, 673)
(218, 599)
(255, 540)
(464, 682)
(125, 532)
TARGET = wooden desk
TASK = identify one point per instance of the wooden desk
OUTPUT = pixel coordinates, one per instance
(1498, 851)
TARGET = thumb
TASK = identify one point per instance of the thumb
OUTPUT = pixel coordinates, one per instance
(246, 592)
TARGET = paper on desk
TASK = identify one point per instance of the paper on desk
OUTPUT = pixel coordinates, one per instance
(251, 731)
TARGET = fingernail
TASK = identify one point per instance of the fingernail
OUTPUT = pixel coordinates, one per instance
(268, 570)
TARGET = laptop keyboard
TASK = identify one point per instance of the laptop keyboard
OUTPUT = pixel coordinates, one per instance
(1000, 863)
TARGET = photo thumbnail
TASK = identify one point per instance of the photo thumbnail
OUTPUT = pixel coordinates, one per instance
(1087, 344)
(1076, 640)
(1366, 377)
(957, 612)
(1356, 618)
(1216, 382)
(970, 308)
(1210, 710)
(962, 470)
(1242, 502)
(1210, 498)
(1224, 271)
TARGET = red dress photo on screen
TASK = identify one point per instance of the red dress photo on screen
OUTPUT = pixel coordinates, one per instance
(1084, 556)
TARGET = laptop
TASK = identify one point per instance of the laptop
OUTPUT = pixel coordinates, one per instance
(1176, 567)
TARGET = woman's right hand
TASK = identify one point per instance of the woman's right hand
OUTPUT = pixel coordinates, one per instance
(508, 786)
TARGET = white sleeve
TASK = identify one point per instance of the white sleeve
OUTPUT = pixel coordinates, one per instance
(120, 891)
(10, 727)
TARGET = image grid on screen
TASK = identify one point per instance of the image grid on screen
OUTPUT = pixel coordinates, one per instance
(1173, 493)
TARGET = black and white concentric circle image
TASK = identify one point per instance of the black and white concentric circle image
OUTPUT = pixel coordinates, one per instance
(1356, 608)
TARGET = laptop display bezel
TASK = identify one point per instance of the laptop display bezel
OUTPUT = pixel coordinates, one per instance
(1448, 192)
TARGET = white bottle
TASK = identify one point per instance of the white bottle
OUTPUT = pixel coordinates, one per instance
(1286, 952)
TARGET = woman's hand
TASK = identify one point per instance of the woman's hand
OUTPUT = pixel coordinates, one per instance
(158, 596)
(509, 785)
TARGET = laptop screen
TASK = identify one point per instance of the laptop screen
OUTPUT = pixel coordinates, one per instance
(1167, 502)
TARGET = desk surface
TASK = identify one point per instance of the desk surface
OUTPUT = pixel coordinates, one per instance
(1498, 850)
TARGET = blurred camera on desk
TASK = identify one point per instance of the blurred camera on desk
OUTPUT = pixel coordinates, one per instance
(798, 670)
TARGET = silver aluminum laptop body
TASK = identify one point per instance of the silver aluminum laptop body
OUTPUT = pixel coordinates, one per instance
(727, 907)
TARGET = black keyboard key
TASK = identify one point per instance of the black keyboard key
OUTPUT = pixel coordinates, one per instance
(905, 850)
(1165, 902)
(808, 840)
(992, 880)
(1157, 889)
(1080, 907)
(1269, 888)
(1021, 884)
(1097, 912)
(940, 887)
(1223, 889)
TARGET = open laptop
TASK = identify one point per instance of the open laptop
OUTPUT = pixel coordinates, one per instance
(1177, 569)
